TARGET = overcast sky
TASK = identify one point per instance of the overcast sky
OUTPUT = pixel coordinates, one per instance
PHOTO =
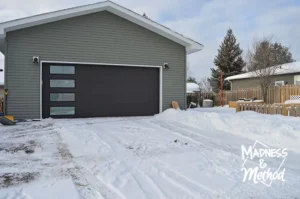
(205, 21)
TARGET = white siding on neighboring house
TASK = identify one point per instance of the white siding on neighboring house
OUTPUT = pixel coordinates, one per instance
(297, 79)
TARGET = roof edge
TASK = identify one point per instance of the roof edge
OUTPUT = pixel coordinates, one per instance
(283, 69)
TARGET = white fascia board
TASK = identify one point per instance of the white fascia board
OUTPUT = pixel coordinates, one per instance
(191, 46)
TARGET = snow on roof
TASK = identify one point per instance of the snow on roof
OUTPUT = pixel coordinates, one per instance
(191, 45)
(284, 69)
(192, 87)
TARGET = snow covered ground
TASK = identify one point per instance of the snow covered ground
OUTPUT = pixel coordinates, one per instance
(177, 154)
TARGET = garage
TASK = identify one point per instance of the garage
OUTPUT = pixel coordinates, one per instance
(120, 64)
(102, 90)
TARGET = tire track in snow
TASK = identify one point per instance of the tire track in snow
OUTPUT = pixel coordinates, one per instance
(188, 135)
(164, 175)
(174, 131)
(118, 151)
(187, 179)
(176, 183)
(78, 172)
(146, 185)
(17, 194)
(154, 192)
(106, 190)
(217, 144)
(152, 183)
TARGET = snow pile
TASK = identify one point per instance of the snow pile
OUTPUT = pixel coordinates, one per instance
(275, 130)
(170, 114)
(297, 101)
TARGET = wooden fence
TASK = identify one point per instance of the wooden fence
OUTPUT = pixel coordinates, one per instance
(281, 109)
(275, 94)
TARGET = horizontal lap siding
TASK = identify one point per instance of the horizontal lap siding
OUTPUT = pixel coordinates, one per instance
(252, 82)
(101, 38)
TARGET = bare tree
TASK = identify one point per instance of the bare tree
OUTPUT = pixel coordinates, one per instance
(204, 85)
(264, 59)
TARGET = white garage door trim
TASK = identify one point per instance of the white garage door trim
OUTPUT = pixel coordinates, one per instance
(107, 64)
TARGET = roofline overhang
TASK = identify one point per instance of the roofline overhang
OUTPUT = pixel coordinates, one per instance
(253, 77)
(190, 45)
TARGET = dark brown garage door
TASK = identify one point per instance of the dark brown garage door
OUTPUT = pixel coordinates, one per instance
(99, 91)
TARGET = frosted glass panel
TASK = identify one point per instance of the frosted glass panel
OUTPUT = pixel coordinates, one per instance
(62, 83)
(62, 110)
(62, 70)
(60, 97)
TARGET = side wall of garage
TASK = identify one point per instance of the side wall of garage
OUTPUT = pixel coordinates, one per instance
(98, 38)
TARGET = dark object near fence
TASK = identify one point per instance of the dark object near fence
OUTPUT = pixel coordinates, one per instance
(192, 105)
(198, 98)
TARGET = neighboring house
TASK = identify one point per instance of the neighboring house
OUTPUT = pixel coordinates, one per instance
(91, 61)
(192, 87)
(285, 74)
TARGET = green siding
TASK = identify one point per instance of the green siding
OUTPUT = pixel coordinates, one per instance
(248, 83)
(99, 38)
(1, 91)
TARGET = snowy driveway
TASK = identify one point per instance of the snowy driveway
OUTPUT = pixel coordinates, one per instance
(193, 154)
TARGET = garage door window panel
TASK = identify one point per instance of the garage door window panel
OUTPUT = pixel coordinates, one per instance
(62, 97)
(62, 83)
(67, 70)
(62, 110)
